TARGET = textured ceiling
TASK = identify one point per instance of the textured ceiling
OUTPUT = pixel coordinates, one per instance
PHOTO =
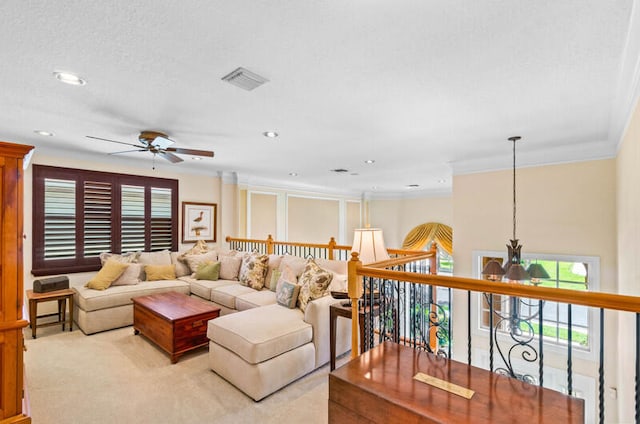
(425, 88)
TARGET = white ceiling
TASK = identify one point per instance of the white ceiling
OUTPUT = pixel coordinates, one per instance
(425, 88)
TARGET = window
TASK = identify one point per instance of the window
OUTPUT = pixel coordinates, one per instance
(566, 272)
(78, 214)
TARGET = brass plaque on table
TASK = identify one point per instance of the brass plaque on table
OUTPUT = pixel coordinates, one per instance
(444, 385)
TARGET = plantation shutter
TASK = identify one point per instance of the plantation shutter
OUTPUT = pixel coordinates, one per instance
(161, 219)
(133, 226)
(59, 219)
(97, 218)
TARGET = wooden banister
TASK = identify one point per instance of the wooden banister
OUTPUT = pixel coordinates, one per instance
(611, 301)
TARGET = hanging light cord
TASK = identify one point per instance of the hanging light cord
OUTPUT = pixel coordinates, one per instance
(514, 187)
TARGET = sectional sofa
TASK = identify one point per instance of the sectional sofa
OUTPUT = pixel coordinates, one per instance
(257, 344)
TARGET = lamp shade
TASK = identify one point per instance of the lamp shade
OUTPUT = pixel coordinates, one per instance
(493, 269)
(537, 271)
(516, 272)
(368, 243)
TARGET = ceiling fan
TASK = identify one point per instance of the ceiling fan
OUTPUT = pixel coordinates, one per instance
(159, 144)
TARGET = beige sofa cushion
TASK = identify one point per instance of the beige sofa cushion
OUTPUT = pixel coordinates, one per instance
(255, 299)
(259, 334)
(296, 263)
(92, 300)
(202, 288)
(226, 295)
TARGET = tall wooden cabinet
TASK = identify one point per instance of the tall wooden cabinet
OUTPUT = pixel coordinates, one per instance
(11, 284)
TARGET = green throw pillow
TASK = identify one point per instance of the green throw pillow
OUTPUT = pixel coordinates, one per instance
(208, 271)
(275, 276)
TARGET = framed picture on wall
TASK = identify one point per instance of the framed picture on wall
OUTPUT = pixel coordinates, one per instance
(199, 221)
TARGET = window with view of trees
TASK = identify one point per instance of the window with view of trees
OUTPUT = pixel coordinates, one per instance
(78, 214)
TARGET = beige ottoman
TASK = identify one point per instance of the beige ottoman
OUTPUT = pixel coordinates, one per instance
(261, 350)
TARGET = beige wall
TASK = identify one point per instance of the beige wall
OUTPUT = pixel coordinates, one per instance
(397, 217)
(561, 209)
(191, 188)
(263, 219)
(628, 232)
(312, 220)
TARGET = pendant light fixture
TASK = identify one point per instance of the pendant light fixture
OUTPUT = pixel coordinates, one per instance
(513, 269)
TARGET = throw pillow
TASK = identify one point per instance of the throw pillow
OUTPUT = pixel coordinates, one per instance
(208, 271)
(125, 258)
(130, 276)
(194, 261)
(287, 294)
(182, 268)
(314, 282)
(160, 272)
(275, 276)
(274, 264)
(229, 267)
(253, 270)
(111, 270)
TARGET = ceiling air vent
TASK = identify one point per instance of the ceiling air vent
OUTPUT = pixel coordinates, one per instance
(244, 79)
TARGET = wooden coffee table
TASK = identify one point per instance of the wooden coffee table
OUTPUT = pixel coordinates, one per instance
(174, 321)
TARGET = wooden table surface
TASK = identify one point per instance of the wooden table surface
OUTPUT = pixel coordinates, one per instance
(378, 386)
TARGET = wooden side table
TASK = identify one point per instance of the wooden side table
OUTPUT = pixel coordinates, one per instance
(61, 296)
(338, 310)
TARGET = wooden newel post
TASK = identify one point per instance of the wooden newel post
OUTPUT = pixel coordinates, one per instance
(331, 247)
(269, 245)
(355, 293)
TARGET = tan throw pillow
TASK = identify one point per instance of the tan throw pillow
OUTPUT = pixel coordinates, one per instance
(253, 270)
(111, 270)
(125, 258)
(194, 261)
(182, 268)
(314, 282)
(229, 267)
(160, 272)
(287, 294)
(130, 276)
(208, 271)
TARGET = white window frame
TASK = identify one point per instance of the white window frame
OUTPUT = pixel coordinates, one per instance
(590, 353)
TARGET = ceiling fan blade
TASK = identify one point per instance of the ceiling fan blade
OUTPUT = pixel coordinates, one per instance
(114, 141)
(206, 153)
(170, 157)
(128, 151)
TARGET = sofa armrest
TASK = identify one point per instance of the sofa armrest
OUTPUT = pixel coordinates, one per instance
(317, 314)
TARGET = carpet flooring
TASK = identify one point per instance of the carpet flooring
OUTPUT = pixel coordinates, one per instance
(117, 377)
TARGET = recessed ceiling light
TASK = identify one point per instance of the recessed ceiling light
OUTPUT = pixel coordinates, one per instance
(44, 133)
(374, 187)
(413, 185)
(442, 181)
(196, 158)
(69, 78)
(270, 134)
(369, 161)
(293, 174)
